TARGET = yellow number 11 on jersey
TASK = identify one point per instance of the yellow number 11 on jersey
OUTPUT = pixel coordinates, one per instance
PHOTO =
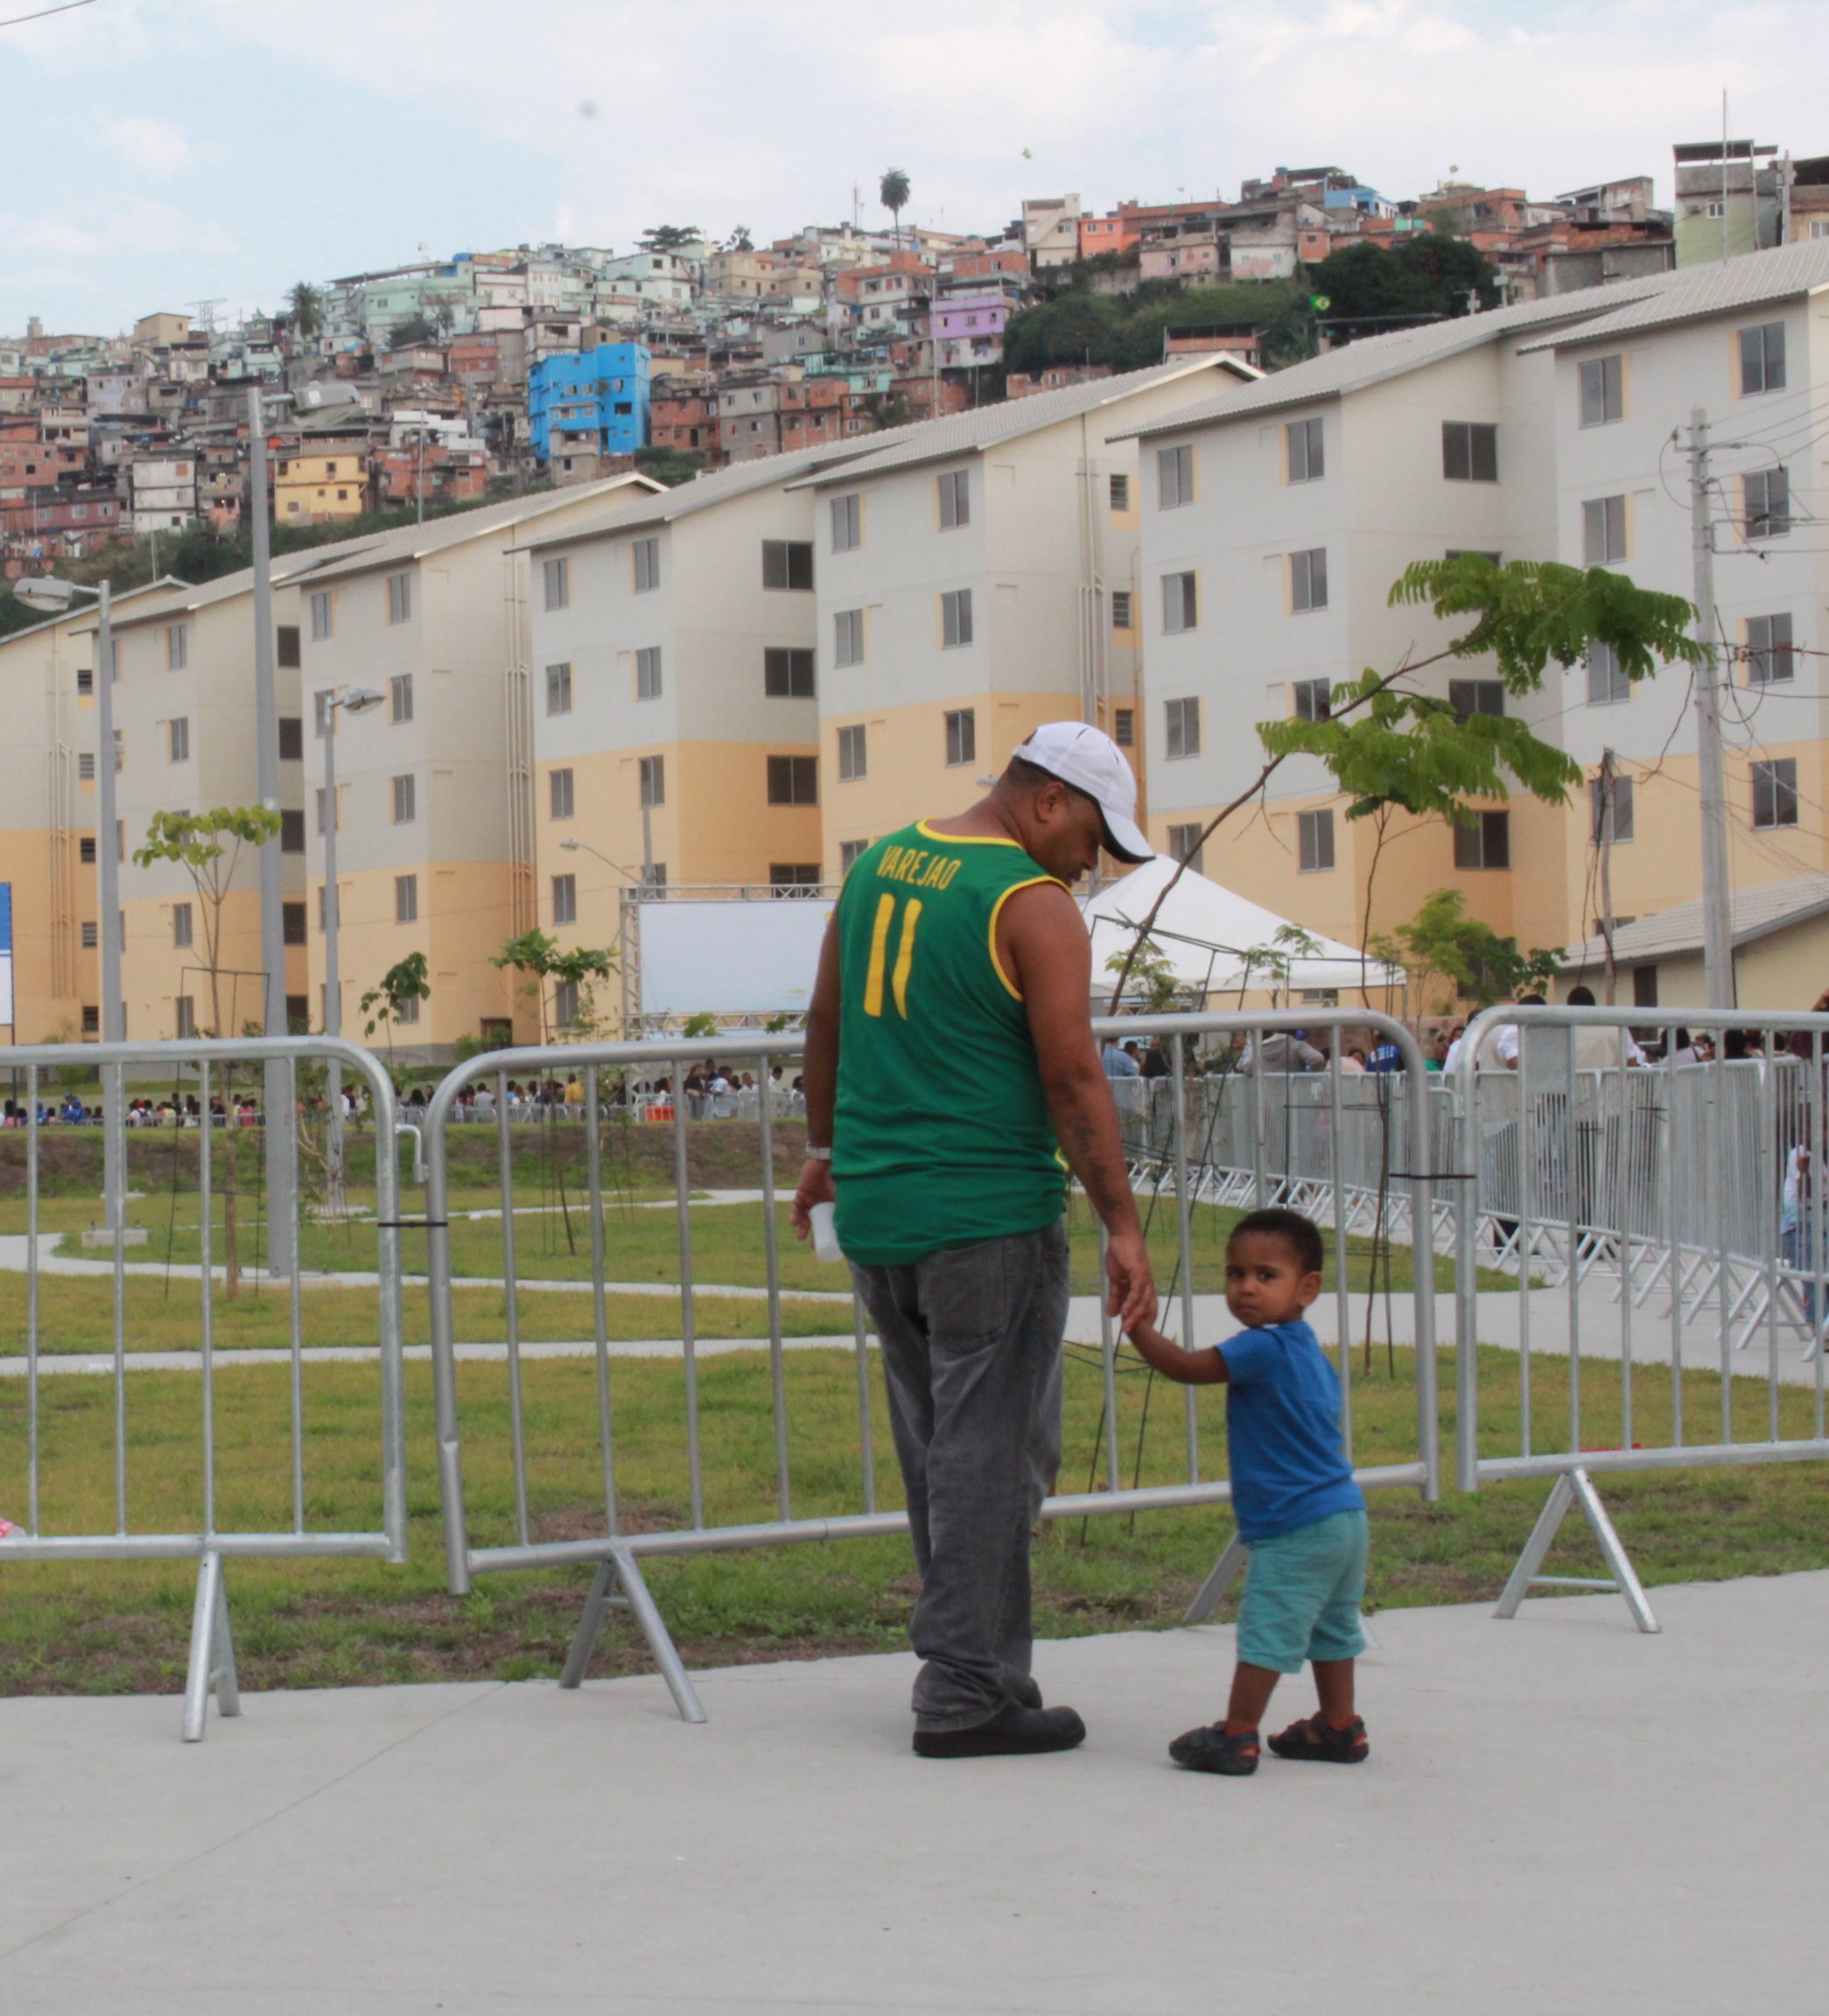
(879, 955)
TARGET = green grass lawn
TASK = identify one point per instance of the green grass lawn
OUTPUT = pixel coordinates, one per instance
(119, 1627)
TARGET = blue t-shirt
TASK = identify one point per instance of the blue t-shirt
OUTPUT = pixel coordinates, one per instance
(1283, 1424)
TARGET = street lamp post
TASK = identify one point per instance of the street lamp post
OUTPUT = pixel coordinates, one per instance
(355, 700)
(54, 595)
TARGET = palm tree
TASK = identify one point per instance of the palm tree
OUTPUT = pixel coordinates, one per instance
(893, 192)
(305, 305)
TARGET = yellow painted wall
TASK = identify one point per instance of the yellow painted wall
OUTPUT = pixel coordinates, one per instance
(308, 491)
(154, 972)
(43, 1011)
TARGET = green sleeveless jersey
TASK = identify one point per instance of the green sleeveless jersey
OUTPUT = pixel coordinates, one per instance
(941, 1136)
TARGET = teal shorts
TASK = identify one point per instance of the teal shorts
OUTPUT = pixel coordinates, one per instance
(1302, 1594)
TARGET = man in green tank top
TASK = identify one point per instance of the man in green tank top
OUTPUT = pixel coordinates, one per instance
(952, 1084)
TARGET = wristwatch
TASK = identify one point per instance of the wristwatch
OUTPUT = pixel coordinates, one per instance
(819, 1154)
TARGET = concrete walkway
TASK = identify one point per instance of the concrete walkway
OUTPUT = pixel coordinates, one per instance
(1559, 1817)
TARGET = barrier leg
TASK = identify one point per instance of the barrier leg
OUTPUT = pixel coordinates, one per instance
(618, 1580)
(213, 1660)
(1225, 1571)
(1576, 1487)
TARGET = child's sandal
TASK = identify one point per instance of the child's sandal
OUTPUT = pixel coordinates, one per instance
(1232, 1754)
(1316, 1740)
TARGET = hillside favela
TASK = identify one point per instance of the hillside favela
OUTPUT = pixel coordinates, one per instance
(839, 1043)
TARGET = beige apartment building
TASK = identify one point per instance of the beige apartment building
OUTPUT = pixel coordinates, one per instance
(1277, 517)
(978, 576)
(436, 836)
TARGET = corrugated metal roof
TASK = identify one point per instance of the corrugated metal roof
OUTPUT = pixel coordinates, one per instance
(1754, 279)
(1753, 913)
(970, 433)
(163, 585)
(1376, 358)
(715, 486)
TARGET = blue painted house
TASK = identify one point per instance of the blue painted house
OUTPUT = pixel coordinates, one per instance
(593, 400)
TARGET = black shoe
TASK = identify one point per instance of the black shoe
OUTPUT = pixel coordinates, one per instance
(1318, 1741)
(1021, 1689)
(1013, 1731)
(1232, 1754)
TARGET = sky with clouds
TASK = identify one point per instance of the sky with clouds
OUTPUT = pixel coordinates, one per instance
(162, 151)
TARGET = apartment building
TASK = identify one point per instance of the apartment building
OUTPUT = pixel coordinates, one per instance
(976, 575)
(1277, 517)
(47, 831)
(318, 481)
(434, 833)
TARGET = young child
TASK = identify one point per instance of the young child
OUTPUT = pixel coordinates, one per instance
(1298, 1508)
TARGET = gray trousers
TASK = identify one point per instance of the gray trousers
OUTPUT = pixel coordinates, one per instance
(971, 1355)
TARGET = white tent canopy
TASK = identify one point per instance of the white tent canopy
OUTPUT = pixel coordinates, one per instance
(1216, 940)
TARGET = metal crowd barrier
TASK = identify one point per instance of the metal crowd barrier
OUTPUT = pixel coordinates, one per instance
(1600, 1183)
(1177, 1162)
(46, 1464)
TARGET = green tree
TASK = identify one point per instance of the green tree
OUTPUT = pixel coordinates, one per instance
(305, 308)
(893, 193)
(541, 959)
(406, 980)
(670, 466)
(418, 327)
(1389, 745)
(1442, 942)
(668, 237)
(1423, 274)
(207, 846)
(1150, 979)
(1125, 332)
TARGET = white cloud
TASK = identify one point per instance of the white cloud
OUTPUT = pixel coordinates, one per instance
(152, 146)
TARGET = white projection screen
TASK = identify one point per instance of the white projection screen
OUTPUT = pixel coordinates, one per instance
(735, 958)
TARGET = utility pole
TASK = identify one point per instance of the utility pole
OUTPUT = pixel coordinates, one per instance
(1605, 824)
(1717, 932)
(276, 1101)
(107, 908)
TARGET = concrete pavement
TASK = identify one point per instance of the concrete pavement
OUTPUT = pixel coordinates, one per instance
(1559, 1816)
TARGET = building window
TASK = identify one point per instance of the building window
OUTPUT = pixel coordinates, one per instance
(1471, 696)
(85, 766)
(1771, 653)
(564, 898)
(1761, 359)
(178, 647)
(848, 852)
(90, 936)
(291, 832)
(955, 489)
(848, 637)
(1120, 489)
(954, 619)
(286, 652)
(322, 615)
(1622, 812)
(406, 799)
(1607, 684)
(559, 689)
(788, 564)
(400, 597)
(653, 784)
(85, 850)
(557, 576)
(1184, 844)
(407, 1008)
(323, 799)
(1182, 719)
(1603, 530)
(120, 750)
(1124, 727)
(292, 923)
(1174, 477)
(645, 559)
(186, 1024)
(85, 681)
(647, 672)
(1120, 608)
(854, 754)
(1302, 443)
(1603, 390)
(1469, 452)
(788, 673)
(1181, 604)
(962, 735)
(847, 522)
(406, 898)
(181, 927)
(564, 1004)
(1313, 699)
(1308, 580)
(1485, 842)
(789, 878)
(1315, 840)
(1766, 494)
(291, 738)
(793, 779)
(1775, 792)
(1644, 986)
(558, 794)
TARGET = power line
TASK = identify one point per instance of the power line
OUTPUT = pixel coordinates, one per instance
(68, 7)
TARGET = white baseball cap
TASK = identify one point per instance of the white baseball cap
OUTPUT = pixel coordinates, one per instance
(1089, 760)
